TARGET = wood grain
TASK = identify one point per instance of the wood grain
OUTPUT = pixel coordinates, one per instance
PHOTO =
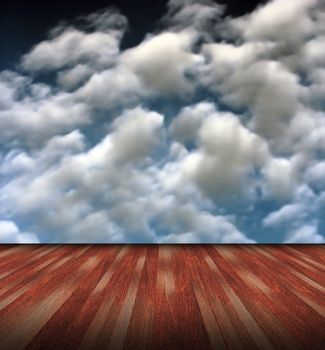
(162, 297)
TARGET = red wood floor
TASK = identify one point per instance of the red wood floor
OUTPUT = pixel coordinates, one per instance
(162, 297)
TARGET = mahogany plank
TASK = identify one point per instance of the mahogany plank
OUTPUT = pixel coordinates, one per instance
(162, 297)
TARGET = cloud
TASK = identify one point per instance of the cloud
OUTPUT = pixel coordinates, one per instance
(279, 20)
(32, 112)
(245, 82)
(9, 233)
(203, 227)
(315, 175)
(227, 152)
(298, 218)
(203, 16)
(186, 124)
(70, 46)
(280, 178)
(285, 215)
(305, 234)
(51, 185)
(211, 129)
(72, 78)
(161, 62)
(99, 94)
(130, 143)
(120, 191)
(225, 58)
(313, 53)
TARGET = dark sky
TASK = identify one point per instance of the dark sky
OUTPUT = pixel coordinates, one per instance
(25, 23)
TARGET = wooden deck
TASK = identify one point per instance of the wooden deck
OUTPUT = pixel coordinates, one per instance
(162, 297)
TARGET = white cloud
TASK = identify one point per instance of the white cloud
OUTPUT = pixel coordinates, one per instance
(186, 222)
(132, 142)
(225, 58)
(314, 51)
(202, 16)
(299, 219)
(313, 94)
(95, 227)
(256, 87)
(71, 47)
(279, 20)
(33, 112)
(73, 77)
(280, 178)
(315, 175)
(92, 157)
(161, 62)
(9, 233)
(285, 215)
(187, 123)
(116, 87)
(11, 83)
(305, 234)
(66, 183)
(68, 46)
(226, 154)
(120, 191)
(33, 120)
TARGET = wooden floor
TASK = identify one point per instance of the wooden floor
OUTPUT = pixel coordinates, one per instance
(162, 297)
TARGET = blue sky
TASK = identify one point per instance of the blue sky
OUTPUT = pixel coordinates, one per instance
(211, 129)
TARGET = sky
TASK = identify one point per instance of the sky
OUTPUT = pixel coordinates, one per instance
(180, 121)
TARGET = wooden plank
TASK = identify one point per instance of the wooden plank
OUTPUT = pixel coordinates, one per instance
(162, 297)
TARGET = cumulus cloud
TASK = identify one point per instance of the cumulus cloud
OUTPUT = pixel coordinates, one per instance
(281, 178)
(211, 129)
(69, 46)
(130, 142)
(32, 113)
(315, 175)
(285, 215)
(203, 16)
(186, 124)
(162, 61)
(279, 20)
(72, 78)
(297, 218)
(202, 228)
(254, 86)
(305, 234)
(112, 88)
(227, 152)
(9, 233)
